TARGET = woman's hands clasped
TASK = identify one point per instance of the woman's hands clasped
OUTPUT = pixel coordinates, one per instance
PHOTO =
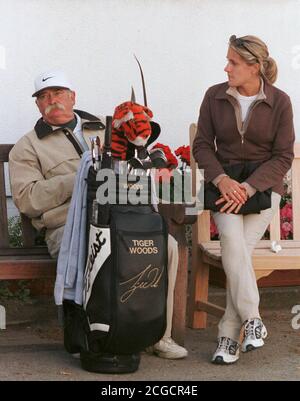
(233, 194)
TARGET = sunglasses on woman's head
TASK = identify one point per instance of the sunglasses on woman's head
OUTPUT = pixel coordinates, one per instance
(239, 42)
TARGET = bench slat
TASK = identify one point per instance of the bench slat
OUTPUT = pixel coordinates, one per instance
(24, 252)
(4, 152)
(28, 232)
(263, 259)
(285, 253)
(296, 195)
(27, 269)
(4, 241)
(263, 244)
(210, 308)
(275, 226)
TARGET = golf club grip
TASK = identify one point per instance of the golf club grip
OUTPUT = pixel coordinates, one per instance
(107, 137)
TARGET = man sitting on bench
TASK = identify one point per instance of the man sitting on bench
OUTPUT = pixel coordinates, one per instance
(43, 165)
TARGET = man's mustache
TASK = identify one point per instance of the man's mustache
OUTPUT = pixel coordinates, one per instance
(54, 106)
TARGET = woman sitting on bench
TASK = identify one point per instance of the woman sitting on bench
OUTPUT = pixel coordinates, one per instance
(248, 121)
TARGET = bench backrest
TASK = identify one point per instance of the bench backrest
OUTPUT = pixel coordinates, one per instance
(28, 232)
(203, 220)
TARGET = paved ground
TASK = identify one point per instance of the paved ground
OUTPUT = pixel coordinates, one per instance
(33, 350)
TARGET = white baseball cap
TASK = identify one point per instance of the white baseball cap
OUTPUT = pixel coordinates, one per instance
(50, 79)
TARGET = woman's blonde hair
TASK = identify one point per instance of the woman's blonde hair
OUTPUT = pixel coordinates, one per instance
(254, 50)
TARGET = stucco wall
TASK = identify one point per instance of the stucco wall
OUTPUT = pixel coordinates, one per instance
(181, 44)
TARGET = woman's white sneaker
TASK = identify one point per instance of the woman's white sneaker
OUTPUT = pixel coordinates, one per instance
(254, 334)
(227, 351)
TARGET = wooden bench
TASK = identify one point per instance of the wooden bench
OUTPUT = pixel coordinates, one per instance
(34, 262)
(26, 262)
(206, 254)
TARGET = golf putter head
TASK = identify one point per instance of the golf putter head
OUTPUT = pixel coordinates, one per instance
(140, 156)
(136, 163)
(142, 152)
(147, 164)
(158, 158)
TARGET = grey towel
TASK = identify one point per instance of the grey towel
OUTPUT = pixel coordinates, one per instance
(71, 258)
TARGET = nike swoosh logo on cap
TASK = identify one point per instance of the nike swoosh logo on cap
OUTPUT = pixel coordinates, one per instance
(45, 79)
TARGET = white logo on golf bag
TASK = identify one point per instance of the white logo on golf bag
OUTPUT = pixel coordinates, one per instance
(99, 251)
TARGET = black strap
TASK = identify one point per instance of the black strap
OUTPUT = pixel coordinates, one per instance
(73, 142)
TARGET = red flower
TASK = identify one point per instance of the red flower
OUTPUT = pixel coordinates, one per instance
(213, 228)
(286, 230)
(171, 159)
(183, 152)
(286, 223)
(286, 212)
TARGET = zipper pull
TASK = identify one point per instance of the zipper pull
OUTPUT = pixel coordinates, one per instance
(242, 139)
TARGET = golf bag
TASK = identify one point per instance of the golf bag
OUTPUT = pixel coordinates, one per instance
(126, 276)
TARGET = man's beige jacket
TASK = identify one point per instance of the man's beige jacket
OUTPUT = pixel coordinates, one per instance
(42, 167)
